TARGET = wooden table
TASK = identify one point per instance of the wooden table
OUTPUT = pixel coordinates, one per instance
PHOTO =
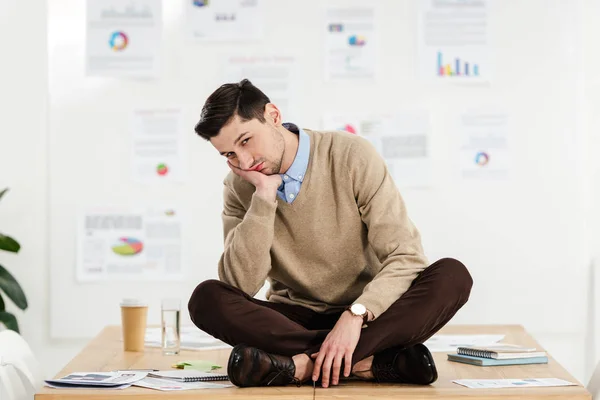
(104, 353)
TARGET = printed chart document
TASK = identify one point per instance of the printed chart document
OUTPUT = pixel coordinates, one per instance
(224, 20)
(158, 146)
(274, 75)
(512, 383)
(401, 138)
(453, 40)
(97, 380)
(484, 152)
(129, 244)
(449, 343)
(123, 38)
(350, 51)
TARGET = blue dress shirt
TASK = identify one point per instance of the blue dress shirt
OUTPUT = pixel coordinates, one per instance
(293, 177)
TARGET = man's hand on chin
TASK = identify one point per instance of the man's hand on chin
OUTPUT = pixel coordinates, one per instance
(266, 185)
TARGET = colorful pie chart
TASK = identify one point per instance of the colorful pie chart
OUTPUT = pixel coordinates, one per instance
(118, 41)
(127, 246)
(482, 158)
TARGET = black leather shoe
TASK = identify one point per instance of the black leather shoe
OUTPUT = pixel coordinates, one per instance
(249, 366)
(405, 365)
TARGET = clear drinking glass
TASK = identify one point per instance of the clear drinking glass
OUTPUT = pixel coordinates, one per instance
(171, 333)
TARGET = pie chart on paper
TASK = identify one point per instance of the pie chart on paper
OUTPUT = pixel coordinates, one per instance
(127, 246)
(162, 169)
(349, 128)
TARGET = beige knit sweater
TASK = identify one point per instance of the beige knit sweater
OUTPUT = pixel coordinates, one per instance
(346, 238)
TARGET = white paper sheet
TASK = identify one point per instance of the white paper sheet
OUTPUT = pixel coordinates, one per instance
(158, 146)
(453, 40)
(129, 244)
(485, 151)
(169, 385)
(224, 20)
(350, 51)
(276, 76)
(191, 339)
(402, 139)
(449, 343)
(123, 38)
(512, 383)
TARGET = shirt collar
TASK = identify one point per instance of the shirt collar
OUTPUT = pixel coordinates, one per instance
(297, 170)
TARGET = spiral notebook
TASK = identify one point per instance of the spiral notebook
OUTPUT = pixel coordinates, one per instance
(488, 362)
(185, 375)
(501, 351)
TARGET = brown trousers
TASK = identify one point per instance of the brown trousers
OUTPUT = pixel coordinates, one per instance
(231, 315)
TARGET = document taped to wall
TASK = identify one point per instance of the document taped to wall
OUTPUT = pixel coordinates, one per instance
(129, 244)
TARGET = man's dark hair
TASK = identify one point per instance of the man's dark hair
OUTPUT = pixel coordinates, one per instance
(243, 99)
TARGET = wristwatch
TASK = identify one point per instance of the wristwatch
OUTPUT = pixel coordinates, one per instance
(359, 310)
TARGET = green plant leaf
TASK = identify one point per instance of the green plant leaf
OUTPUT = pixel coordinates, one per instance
(10, 321)
(9, 244)
(13, 290)
(2, 305)
(3, 192)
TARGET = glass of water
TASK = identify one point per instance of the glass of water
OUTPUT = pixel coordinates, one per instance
(170, 328)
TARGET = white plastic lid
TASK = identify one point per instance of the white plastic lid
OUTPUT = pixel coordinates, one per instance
(133, 303)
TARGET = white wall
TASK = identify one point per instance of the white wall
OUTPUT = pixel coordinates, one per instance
(591, 108)
(23, 162)
(23, 107)
(542, 213)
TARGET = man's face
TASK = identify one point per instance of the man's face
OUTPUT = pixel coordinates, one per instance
(251, 145)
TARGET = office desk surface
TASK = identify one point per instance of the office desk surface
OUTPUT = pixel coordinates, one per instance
(104, 353)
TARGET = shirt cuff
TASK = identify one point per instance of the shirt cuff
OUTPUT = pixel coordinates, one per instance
(373, 303)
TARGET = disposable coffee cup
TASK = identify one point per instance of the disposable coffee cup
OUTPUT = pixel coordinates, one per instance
(133, 321)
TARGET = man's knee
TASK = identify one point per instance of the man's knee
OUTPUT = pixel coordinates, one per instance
(204, 297)
(455, 272)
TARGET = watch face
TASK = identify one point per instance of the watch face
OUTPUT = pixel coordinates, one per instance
(358, 309)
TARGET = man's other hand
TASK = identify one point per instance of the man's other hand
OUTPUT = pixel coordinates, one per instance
(338, 346)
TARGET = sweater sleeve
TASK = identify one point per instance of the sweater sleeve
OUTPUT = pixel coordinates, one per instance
(248, 235)
(391, 234)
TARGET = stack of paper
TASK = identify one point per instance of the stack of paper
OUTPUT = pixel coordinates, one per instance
(97, 380)
(192, 338)
(449, 343)
(171, 385)
(125, 379)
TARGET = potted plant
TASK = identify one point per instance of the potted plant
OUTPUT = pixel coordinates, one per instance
(8, 284)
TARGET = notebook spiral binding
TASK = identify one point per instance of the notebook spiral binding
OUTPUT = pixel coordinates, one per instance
(205, 378)
(475, 353)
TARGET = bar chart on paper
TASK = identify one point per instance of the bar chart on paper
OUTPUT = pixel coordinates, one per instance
(456, 66)
(453, 41)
